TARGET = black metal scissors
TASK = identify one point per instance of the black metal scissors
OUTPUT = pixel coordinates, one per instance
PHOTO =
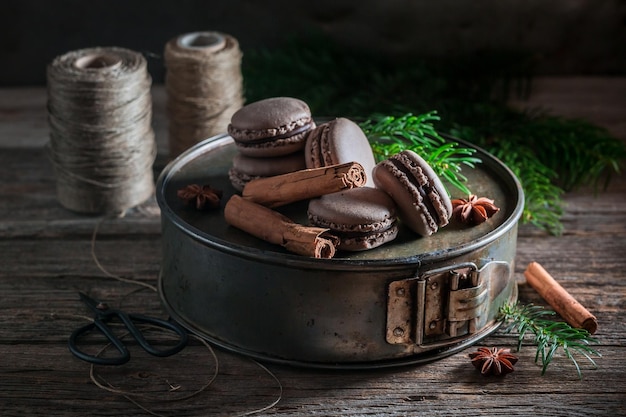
(104, 314)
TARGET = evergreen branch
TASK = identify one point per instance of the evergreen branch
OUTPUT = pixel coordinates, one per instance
(389, 135)
(574, 152)
(549, 335)
(549, 154)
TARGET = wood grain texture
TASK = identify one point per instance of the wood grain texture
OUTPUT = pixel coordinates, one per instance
(45, 259)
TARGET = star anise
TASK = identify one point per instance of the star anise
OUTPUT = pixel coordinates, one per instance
(473, 210)
(493, 361)
(202, 197)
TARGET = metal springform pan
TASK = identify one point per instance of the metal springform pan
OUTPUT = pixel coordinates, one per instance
(409, 301)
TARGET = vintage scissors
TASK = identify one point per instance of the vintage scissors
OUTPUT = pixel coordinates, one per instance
(104, 314)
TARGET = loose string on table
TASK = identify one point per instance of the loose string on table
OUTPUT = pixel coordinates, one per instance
(130, 396)
(204, 86)
(134, 396)
(101, 144)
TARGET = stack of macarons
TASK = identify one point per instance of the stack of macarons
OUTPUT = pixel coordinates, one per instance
(278, 135)
(270, 136)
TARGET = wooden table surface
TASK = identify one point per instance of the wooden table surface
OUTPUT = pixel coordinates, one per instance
(46, 259)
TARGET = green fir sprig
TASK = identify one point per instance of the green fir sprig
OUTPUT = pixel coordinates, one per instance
(389, 135)
(548, 335)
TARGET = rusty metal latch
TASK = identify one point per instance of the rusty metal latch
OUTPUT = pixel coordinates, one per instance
(443, 304)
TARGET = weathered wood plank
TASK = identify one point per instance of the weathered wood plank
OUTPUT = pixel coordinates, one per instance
(45, 259)
(242, 385)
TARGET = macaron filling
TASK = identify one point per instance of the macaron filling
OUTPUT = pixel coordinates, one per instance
(317, 158)
(325, 154)
(353, 230)
(367, 240)
(286, 135)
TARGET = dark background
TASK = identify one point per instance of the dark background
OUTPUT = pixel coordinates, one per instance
(564, 36)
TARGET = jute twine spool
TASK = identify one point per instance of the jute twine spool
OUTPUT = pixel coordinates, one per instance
(101, 139)
(204, 86)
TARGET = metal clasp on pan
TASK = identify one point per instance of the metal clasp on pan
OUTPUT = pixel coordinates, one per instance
(443, 304)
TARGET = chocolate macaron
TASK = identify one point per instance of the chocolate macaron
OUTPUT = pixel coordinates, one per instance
(246, 169)
(271, 127)
(423, 203)
(362, 218)
(339, 141)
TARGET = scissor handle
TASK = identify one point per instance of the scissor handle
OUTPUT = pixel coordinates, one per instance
(111, 337)
(130, 320)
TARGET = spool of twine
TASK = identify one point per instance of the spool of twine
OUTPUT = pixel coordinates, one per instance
(204, 86)
(101, 139)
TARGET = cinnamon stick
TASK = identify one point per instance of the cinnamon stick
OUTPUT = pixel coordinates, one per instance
(304, 184)
(560, 300)
(274, 227)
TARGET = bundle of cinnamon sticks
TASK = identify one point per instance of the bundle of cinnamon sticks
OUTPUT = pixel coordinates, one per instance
(253, 211)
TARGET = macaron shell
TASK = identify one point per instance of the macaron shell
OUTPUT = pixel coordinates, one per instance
(339, 141)
(364, 210)
(413, 210)
(267, 167)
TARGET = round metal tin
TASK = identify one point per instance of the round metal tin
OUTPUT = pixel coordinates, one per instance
(397, 304)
